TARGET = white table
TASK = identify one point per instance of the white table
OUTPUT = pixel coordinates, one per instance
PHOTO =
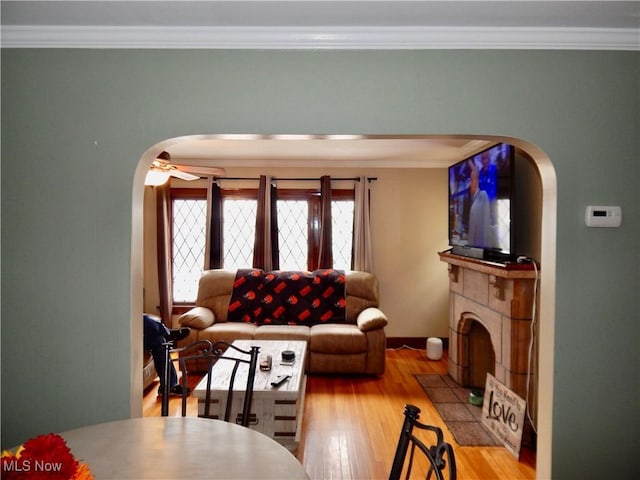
(180, 448)
(276, 412)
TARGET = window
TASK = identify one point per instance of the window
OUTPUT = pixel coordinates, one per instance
(238, 231)
(189, 213)
(299, 228)
(342, 232)
(293, 233)
(298, 232)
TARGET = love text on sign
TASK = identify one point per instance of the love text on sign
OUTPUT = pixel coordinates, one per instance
(503, 414)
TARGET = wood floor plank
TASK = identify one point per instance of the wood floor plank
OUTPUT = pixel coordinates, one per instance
(351, 424)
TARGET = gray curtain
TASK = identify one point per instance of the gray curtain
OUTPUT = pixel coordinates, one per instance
(362, 258)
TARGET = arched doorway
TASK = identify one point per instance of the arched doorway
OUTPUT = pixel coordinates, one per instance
(547, 178)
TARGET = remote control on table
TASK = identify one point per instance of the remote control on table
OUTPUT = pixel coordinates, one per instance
(280, 379)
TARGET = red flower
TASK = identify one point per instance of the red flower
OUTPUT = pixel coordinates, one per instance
(45, 457)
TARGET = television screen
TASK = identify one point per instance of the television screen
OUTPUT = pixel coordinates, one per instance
(480, 195)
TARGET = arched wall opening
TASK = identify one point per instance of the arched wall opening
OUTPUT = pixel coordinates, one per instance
(547, 285)
(475, 346)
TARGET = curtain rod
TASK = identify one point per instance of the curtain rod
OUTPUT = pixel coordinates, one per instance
(357, 179)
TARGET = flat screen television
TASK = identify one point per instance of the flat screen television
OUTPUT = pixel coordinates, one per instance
(481, 202)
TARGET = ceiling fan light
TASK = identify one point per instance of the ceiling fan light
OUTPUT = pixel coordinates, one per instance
(156, 178)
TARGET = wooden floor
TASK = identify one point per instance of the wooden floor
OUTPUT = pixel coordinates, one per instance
(351, 424)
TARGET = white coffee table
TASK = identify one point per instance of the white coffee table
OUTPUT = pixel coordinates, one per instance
(275, 411)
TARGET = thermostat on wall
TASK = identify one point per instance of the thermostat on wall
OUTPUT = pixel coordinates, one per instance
(603, 216)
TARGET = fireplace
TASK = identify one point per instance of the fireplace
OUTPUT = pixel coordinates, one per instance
(478, 348)
(490, 314)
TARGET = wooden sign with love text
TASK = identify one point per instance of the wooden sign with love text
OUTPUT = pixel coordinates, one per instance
(503, 414)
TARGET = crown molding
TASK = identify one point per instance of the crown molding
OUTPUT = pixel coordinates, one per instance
(336, 38)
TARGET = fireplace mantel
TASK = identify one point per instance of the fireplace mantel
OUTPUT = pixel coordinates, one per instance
(504, 270)
(497, 272)
(499, 297)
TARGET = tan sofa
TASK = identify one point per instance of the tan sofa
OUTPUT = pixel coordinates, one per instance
(356, 346)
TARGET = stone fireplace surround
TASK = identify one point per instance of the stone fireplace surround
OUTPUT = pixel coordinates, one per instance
(500, 298)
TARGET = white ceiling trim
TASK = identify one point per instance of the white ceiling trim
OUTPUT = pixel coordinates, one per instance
(337, 38)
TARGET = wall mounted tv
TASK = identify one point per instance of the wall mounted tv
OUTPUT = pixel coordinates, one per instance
(481, 204)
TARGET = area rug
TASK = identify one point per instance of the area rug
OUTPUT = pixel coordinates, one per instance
(452, 403)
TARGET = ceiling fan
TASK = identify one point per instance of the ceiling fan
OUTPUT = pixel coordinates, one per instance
(162, 169)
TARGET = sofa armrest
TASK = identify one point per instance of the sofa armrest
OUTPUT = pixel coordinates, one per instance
(198, 318)
(371, 318)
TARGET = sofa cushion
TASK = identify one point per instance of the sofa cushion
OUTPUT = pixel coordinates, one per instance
(337, 338)
(361, 291)
(228, 332)
(282, 332)
(197, 317)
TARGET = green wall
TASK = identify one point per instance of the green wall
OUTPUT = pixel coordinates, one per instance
(76, 122)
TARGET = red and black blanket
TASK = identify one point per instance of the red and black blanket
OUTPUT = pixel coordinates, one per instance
(288, 297)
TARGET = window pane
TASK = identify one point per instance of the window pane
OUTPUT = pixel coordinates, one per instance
(189, 237)
(293, 219)
(238, 233)
(342, 232)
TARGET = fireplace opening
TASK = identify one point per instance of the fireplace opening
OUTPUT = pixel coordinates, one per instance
(482, 357)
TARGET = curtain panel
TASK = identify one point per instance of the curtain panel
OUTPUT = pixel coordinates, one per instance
(325, 256)
(213, 250)
(362, 258)
(265, 251)
(165, 254)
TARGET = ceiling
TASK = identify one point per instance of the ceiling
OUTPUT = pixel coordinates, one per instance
(322, 24)
(332, 151)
